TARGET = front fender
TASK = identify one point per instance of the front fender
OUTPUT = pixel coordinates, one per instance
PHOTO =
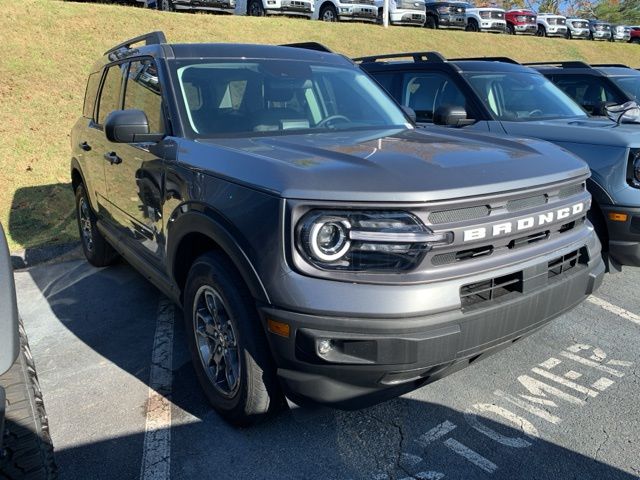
(193, 218)
(9, 340)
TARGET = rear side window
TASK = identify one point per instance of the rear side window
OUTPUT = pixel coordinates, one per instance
(587, 91)
(142, 92)
(110, 95)
(426, 92)
(90, 94)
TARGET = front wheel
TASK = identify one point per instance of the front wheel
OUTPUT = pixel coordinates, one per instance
(256, 9)
(510, 29)
(430, 22)
(542, 32)
(329, 14)
(227, 342)
(166, 6)
(472, 26)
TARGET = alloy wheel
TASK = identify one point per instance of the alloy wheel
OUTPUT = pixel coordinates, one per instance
(85, 224)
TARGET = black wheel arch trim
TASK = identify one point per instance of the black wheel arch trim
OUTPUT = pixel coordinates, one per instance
(201, 220)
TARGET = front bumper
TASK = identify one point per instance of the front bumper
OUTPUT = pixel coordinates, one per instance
(358, 12)
(601, 35)
(621, 38)
(452, 21)
(580, 34)
(376, 358)
(290, 7)
(529, 29)
(556, 31)
(493, 26)
(624, 237)
(408, 18)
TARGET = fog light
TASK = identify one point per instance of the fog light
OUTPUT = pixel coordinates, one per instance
(324, 346)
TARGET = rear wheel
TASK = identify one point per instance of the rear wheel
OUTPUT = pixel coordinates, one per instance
(27, 450)
(256, 9)
(542, 32)
(328, 13)
(96, 248)
(228, 345)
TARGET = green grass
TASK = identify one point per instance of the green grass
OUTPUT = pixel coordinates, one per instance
(48, 47)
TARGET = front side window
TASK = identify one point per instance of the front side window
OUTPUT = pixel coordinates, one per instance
(426, 92)
(142, 92)
(590, 92)
(110, 95)
(281, 96)
(520, 96)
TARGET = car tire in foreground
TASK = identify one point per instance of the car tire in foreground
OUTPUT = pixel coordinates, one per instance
(27, 452)
(227, 342)
(96, 248)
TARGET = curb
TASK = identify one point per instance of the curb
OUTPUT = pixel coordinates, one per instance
(30, 257)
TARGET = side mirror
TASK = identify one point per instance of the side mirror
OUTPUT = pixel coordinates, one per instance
(129, 126)
(451, 116)
(410, 112)
(599, 109)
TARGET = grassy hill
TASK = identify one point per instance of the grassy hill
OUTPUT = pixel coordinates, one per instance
(49, 46)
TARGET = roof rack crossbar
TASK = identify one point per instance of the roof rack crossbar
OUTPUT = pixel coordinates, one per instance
(486, 59)
(318, 47)
(417, 57)
(571, 64)
(151, 38)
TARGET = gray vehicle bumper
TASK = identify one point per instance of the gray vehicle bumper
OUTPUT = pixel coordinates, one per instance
(624, 237)
(377, 358)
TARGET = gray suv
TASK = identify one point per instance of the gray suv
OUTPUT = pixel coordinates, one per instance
(499, 95)
(320, 246)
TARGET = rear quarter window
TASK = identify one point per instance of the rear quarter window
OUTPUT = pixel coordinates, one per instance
(90, 94)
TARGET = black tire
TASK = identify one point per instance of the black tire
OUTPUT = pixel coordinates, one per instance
(255, 392)
(96, 248)
(256, 9)
(328, 13)
(472, 25)
(166, 5)
(28, 452)
(510, 29)
(430, 22)
(542, 32)
(635, 40)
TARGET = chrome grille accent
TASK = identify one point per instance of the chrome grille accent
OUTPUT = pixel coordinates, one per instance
(571, 190)
(524, 203)
(459, 214)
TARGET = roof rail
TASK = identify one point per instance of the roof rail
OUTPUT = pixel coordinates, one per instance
(318, 47)
(485, 59)
(621, 65)
(151, 38)
(571, 64)
(417, 57)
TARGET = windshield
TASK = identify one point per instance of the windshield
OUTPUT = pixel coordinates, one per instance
(281, 97)
(631, 85)
(520, 96)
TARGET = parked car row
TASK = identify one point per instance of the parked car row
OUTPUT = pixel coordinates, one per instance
(366, 242)
(448, 14)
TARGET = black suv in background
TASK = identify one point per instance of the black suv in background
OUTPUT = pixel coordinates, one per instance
(593, 86)
(446, 15)
(319, 244)
(501, 96)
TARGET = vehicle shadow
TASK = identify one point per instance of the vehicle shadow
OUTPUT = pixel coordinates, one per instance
(42, 215)
(112, 311)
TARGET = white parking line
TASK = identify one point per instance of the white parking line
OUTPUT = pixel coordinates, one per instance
(610, 307)
(156, 455)
(474, 457)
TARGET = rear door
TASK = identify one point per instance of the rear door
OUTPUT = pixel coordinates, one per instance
(134, 172)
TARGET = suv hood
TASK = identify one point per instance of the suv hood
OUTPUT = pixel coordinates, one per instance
(594, 131)
(389, 166)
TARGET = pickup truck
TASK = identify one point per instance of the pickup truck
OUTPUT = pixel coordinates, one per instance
(521, 22)
(446, 14)
(485, 19)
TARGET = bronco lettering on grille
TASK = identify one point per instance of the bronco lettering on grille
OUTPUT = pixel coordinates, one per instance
(505, 228)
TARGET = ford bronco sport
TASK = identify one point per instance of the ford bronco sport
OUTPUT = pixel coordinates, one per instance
(501, 96)
(319, 244)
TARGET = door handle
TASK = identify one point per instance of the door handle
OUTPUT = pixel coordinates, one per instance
(113, 158)
(85, 146)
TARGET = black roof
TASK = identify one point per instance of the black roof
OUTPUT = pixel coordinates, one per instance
(154, 44)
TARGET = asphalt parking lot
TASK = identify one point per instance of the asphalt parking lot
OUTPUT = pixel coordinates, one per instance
(560, 404)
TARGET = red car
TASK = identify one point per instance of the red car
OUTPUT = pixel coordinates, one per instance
(635, 35)
(521, 21)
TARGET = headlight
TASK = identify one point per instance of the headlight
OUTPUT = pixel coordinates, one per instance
(358, 241)
(634, 168)
(443, 9)
(485, 14)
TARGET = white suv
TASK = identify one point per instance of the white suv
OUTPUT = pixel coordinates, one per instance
(551, 25)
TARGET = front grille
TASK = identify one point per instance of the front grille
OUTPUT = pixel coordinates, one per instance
(571, 190)
(524, 203)
(488, 290)
(459, 214)
(563, 264)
